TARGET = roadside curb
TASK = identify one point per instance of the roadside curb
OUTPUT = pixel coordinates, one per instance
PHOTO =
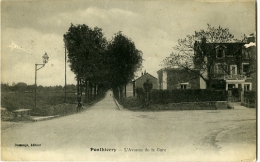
(117, 104)
(43, 118)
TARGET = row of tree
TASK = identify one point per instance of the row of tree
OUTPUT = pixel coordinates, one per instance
(23, 87)
(100, 64)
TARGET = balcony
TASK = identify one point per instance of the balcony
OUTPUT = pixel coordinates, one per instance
(234, 77)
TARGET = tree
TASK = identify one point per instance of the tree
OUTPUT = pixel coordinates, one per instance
(21, 87)
(86, 49)
(123, 59)
(196, 53)
(5, 87)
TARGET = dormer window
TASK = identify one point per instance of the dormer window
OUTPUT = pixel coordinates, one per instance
(220, 52)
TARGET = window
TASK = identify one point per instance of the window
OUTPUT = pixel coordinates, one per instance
(185, 86)
(220, 53)
(246, 87)
(245, 68)
(220, 68)
(233, 69)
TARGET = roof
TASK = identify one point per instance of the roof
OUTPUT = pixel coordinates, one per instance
(226, 44)
(233, 48)
(171, 69)
(229, 46)
(144, 75)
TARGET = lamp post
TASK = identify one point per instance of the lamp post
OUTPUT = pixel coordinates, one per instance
(65, 87)
(45, 58)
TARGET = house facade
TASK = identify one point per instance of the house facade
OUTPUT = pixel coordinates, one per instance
(138, 83)
(176, 78)
(231, 64)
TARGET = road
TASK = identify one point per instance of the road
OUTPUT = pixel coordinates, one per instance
(104, 132)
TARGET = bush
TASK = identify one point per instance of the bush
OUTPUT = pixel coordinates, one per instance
(250, 99)
(250, 94)
(131, 102)
(139, 91)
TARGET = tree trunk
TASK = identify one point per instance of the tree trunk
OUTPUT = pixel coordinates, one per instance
(95, 91)
(90, 92)
(81, 88)
(86, 91)
(121, 92)
(77, 86)
(125, 90)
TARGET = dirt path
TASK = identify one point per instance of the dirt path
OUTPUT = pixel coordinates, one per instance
(105, 133)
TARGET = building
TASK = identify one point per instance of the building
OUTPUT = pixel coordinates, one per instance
(229, 65)
(229, 62)
(129, 89)
(177, 78)
(138, 83)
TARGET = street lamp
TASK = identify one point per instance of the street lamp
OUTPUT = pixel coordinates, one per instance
(45, 58)
(65, 87)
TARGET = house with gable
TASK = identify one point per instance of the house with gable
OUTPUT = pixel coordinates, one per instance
(138, 83)
(231, 63)
(231, 66)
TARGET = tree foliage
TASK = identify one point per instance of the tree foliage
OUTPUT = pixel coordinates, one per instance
(86, 49)
(96, 62)
(123, 58)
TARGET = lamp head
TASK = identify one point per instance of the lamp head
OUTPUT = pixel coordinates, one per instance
(45, 58)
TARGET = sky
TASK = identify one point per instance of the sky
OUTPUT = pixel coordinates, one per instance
(29, 28)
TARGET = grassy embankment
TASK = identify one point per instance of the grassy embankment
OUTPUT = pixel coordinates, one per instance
(48, 103)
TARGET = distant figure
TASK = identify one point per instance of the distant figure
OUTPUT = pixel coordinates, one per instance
(79, 107)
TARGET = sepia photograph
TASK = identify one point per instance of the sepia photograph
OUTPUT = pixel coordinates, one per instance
(129, 80)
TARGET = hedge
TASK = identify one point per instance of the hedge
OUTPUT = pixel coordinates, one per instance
(249, 99)
(187, 95)
(250, 94)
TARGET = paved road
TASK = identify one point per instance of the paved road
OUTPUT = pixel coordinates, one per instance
(206, 135)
